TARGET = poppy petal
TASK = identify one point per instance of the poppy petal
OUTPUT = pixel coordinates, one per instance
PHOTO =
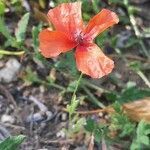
(92, 61)
(100, 22)
(67, 18)
(52, 43)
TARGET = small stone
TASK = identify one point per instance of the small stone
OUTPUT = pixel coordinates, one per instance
(37, 117)
(51, 4)
(100, 114)
(4, 133)
(60, 134)
(1, 64)
(10, 71)
(7, 119)
(81, 148)
(64, 117)
(106, 117)
(123, 38)
(42, 89)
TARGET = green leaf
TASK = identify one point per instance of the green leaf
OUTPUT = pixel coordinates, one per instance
(142, 138)
(98, 130)
(67, 64)
(90, 125)
(135, 65)
(4, 30)
(35, 32)
(22, 27)
(112, 96)
(98, 133)
(130, 93)
(117, 107)
(2, 8)
(121, 123)
(115, 1)
(78, 125)
(30, 76)
(12, 143)
(133, 93)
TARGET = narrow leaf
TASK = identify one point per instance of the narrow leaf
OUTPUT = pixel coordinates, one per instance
(12, 143)
(22, 27)
(4, 29)
(5, 52)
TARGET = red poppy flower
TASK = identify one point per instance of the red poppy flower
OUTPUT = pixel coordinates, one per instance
(71, 33)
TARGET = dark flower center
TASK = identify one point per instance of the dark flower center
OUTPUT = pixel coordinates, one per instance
(80, 39)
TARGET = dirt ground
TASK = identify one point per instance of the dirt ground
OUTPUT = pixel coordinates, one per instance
(38, 111)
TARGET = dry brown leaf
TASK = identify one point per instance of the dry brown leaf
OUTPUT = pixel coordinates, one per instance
(138, 110)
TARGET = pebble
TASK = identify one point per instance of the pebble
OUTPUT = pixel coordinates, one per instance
(61, 134)
(4, 133)
(123, 38)
(64, 116)
(39, 117)
(7, 119)
(100, 114)
(81, 148)
(9, 72)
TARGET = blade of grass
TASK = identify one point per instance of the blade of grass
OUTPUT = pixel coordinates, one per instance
(93, 99)
(135, 28)
(144, 78)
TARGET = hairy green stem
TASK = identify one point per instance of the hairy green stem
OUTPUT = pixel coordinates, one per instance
(77, 85)
(74, 95)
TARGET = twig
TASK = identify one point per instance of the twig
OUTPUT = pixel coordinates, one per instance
(91, 112)
(41, 106)
(93, 99)
(4, 133)
(11, 100)
(13, 126)
(8, 95)
(104, 146)
(61, 142)
(91, 144)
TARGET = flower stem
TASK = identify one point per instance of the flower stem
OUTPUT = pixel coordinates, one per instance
(77, 85)
(74, 96)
